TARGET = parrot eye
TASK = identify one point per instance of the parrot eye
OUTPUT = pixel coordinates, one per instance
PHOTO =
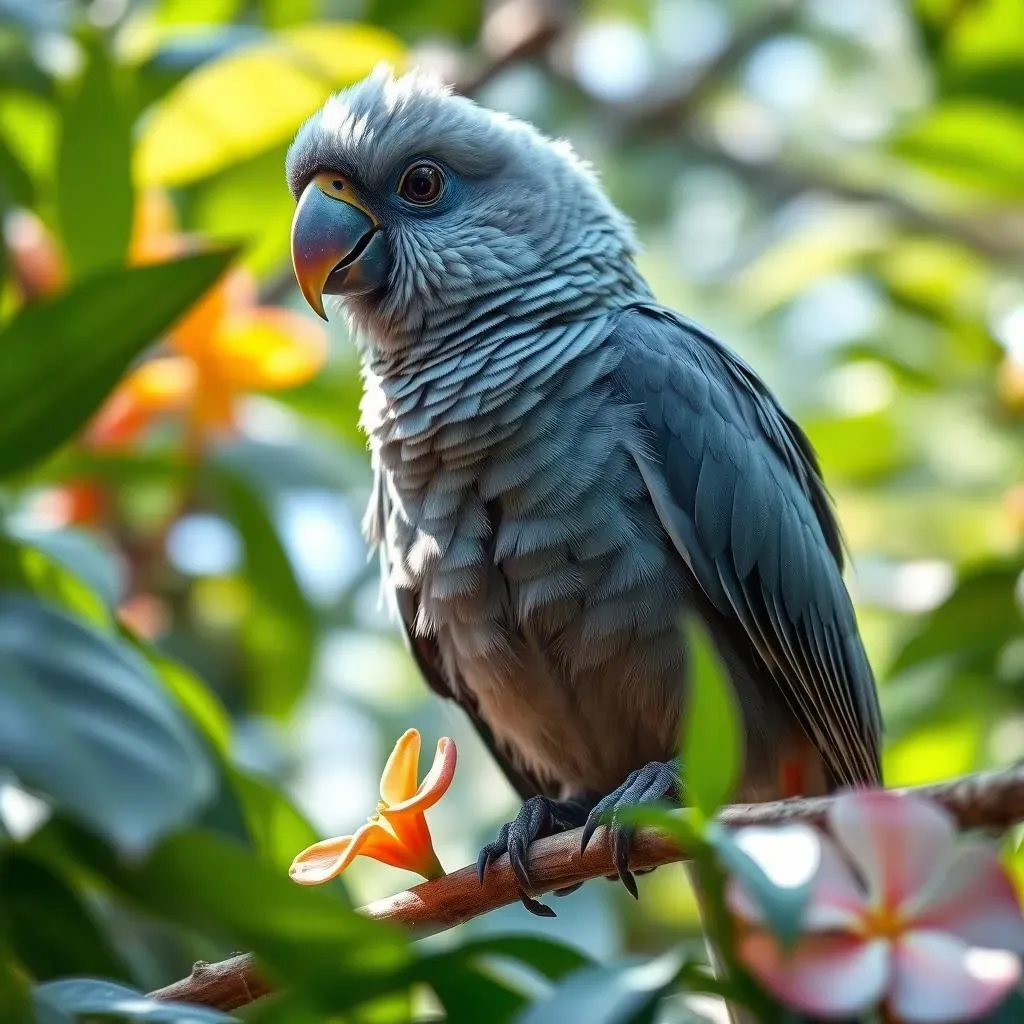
(421, 184)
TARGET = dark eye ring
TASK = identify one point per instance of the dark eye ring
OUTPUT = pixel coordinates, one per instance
(422, 184)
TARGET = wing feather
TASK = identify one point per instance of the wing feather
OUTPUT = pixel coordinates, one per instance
(739, 491)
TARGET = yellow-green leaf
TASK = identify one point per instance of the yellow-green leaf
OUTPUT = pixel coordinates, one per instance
(712, 736)
(255, 98)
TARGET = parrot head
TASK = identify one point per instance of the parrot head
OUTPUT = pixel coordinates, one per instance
(412, 201)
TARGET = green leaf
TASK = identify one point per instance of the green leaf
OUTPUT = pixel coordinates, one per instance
(977, 145)
(92, 333)
(712, 735)
(195, 697)
(15, 997)
(471, 993)
(27, 568)
(191, 13)
(47, 925)
(84, 555)
(278, 829)
(791, 847)
(94, 185)
(280, 628)
(626, 993)
(16, 185)
(307, 937)
(83, 720)
(412, 19)
(255, 98)
(973, 625)
(78, 996)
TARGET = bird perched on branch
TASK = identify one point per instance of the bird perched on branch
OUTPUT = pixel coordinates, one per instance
(563, 468)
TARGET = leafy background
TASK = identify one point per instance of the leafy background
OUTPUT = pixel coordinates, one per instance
(196, 676)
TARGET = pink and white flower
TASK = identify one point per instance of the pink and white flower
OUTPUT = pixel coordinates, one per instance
(900, 912)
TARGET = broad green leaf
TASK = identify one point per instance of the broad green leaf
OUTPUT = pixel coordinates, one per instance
(35, 571)
(792, 853)
(253, 99)
(197, 699)
(84, 721)
(412, 19)
(1009, 1012)
(282, 13)
(78, 997)
(863, 448)
(84, 555)
(305, 936)
(15, 994)
(937, 750)
(977, 145)
(94, 185)
(278, 829)
(59, 359)
(48, 926)
(626, 993)
(223, 205)
(280, 628)
(471, 993)
(16, 185)
(973, 625)
(197, 12)
(712, 735)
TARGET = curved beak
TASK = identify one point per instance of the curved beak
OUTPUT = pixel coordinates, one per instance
(337, 246)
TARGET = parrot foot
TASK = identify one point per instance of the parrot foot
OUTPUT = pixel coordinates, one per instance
(654, 783)
(537, 818)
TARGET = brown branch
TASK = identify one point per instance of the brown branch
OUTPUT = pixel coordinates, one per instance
(992, 800)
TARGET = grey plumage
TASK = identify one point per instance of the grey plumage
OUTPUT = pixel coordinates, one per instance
(563, 467)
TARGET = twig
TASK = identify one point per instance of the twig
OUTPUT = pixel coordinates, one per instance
(993, 800)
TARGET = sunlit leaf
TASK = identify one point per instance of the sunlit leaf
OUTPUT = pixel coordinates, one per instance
(712, 735)
(862, 448)
(197, 699)
(458, 19)
(251, 100)
(197, 12)
(972, 625)
(90, 996)
(223, 205)
(92, 333)
(48, 925)
(83, 721)
(972, 144)
(931, 753)
(85, 555)
(625, 993)
(94, 187)
(24, 567)
(278, 829)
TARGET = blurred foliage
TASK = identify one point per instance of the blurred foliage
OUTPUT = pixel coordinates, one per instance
(196, 679)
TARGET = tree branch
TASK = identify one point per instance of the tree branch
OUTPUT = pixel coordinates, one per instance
(992, 800)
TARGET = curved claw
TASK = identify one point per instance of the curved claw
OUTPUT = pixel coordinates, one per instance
(650, 784)
(539, 816)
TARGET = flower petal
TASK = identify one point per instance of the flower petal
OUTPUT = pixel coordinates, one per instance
(196, 334)
(437, 780)
(325, 860)
(973, 898)
(398, 780)
(155, 235)
(270, 349)
(826, 975)
(836, 901)
(938, 977)
(159, 386)
(896, 841)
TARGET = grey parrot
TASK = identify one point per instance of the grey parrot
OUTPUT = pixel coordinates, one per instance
(564, 468)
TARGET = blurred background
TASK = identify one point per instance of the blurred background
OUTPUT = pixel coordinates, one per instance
(836, 189)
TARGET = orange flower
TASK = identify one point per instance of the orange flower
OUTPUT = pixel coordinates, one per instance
(397, 834)
(225, 345)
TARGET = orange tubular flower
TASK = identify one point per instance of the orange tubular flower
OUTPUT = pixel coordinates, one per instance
(397, 833)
